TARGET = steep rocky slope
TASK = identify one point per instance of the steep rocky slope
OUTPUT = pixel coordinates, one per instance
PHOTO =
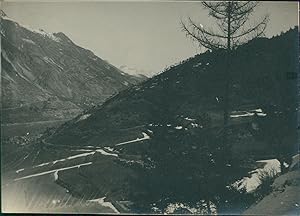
(47, 76)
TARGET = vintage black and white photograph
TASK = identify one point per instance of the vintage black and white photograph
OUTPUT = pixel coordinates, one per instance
(150, 107)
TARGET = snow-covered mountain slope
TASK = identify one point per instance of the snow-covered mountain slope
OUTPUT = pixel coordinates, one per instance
(135, 71)
(48, 71)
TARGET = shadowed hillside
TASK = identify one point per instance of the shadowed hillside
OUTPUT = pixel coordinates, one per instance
(262, 73)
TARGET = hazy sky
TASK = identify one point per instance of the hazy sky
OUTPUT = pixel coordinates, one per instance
(143, 35)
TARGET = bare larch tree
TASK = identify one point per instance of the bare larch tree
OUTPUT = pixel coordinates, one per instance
(233, 29)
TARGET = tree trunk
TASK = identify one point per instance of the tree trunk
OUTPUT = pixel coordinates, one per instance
(208, 207)
(227, 82)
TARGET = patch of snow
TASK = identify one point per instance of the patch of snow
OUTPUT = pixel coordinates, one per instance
(242, 115)
(105, 204)
(146, 136)
(285, 165)
(45, 34)
(189, 119)
(83, 117)
(41, 32)
(150, 131)
(82, 150)
(55, 175)
(169, 125)
(261, 114)
(43, 164)
(194, 125)
(197, 65)
(155, 209)
(106, 153)
(207, 63)
(257, 110)
(91, 147)
(55, 201)
(109, 148)
(252, 182)
(125, 83)
(217, 99)
(81, 155)
(178, 127)
(52, 171)
(20, 170)
(61, 160)
(199, 208)
(28, 41)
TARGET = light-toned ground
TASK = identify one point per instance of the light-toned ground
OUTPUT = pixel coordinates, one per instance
(284, 199)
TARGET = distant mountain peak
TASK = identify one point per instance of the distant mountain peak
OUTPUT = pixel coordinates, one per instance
(38, 65)
(135, 71)
(62, 36)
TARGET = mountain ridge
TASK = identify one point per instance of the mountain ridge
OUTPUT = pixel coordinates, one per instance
(41, 70)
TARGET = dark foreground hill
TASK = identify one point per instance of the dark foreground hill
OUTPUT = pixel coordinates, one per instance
(263, 76)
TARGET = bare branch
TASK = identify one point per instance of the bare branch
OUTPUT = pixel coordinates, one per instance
(207, 32)
(247, 10)
(249, 4)
(213, 7)
(242, 5)
(208, 43)
(255, 28)
(231, 18)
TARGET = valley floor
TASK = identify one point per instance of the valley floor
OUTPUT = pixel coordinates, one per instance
(21, 129)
